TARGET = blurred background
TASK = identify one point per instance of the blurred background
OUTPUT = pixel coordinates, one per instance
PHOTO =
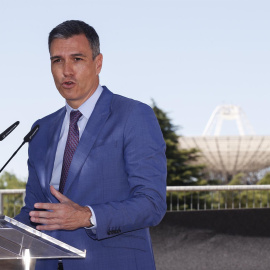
(188, 56)
(184, 58)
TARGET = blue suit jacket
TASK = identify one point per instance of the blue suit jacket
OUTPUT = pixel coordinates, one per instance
(119, 168)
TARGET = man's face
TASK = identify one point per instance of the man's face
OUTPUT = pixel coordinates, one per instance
(74, 71)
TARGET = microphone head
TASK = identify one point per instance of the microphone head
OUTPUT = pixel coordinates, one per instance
(31, 134)
(4, 134)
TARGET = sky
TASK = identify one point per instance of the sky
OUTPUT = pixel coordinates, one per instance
(188, 56)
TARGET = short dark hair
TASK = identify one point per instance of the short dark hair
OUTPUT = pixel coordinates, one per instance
(71, 28)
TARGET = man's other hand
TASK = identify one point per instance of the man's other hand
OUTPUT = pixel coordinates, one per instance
(65, 215)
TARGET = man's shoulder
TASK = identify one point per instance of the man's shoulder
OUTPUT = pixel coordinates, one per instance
(51, 117)
(120, 103)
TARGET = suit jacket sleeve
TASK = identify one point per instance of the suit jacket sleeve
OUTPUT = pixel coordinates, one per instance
(145, 165)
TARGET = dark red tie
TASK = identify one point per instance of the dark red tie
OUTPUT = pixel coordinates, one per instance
(71, 145)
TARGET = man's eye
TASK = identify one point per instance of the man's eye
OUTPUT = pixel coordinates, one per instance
(56, 61)
(78, 59)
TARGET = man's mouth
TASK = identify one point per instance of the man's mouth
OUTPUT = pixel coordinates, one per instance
(68, 84)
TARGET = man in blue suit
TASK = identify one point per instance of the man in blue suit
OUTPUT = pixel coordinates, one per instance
(97, 167)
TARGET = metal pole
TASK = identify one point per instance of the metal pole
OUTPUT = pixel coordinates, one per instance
(1, 204)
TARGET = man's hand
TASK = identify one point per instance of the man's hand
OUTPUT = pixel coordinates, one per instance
(66, 215)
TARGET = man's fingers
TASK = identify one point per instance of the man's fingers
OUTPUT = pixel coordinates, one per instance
(58, 195)
(47, 206)
(48, 227)
(66, 215)
(46, 221)
(44, 214)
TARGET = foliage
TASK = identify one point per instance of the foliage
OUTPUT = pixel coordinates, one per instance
(10, 181)
(238, 179)
(264, 196)
(180, 167)
(12, 202)
(245, 199)
(265, 180)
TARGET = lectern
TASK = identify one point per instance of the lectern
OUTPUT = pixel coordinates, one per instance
(19, 241)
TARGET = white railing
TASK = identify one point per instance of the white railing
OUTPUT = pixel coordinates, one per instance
(218, 197)
(179, 198)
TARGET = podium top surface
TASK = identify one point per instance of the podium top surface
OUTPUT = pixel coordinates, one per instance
(16, 238)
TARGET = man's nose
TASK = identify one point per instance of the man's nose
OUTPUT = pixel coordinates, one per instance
(68, 69)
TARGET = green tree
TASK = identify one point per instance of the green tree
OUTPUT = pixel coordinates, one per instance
(265, 180)
(180, 167)
(10, 181)
(12, 202)
(247, 198)
(264, 196)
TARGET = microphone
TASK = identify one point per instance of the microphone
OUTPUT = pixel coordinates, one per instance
(31, 134)
(26, 139)
(4, 134)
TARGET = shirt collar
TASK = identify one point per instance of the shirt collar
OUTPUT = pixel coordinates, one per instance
(88, 106)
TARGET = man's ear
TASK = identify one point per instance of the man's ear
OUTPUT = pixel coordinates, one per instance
(98, 61)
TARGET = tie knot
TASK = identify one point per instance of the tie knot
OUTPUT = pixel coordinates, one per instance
(74, 117)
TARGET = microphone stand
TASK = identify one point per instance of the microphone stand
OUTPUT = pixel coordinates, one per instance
(12, 157)
(27, 138)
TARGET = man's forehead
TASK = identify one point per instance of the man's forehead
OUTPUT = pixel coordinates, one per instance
(77, 44)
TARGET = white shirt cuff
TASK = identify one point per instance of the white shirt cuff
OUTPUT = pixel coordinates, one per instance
(93, 220)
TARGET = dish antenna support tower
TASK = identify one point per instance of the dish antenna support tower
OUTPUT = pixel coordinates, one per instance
(228, 112)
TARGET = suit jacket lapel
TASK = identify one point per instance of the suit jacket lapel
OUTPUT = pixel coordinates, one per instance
(95, 123)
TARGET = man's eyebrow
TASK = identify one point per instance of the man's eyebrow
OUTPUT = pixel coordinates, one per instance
(73, 55)
(78, 54)
(54, 57)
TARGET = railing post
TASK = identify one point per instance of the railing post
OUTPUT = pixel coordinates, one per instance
(218, 200)
(198, 201)
(1, 203)
(184, 201)
(24, 194)
(171, 201)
